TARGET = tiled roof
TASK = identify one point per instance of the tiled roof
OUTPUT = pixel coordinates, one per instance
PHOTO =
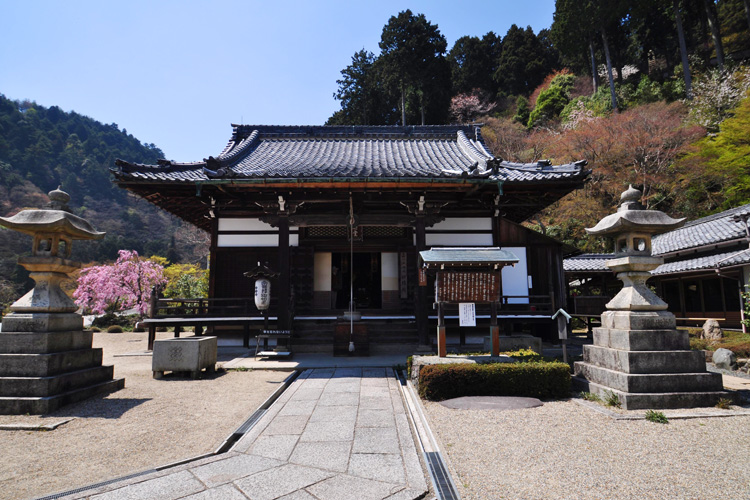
(299, 152)
(469, 256)
(722, 260)
(588, 262)
(709, 230)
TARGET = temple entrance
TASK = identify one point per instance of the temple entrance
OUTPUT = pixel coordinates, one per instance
(367, 279)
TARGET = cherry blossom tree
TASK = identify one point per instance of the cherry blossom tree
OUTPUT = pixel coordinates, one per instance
(123, 285)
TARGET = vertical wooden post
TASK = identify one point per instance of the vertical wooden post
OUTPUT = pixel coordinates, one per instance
(442, 350)
(421, 296)
(284, 292)
(494, 330)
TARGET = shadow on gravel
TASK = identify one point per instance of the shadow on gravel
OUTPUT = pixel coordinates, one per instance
(100, 407)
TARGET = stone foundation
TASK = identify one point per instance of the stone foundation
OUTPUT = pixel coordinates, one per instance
(647, 368)
(40, 371)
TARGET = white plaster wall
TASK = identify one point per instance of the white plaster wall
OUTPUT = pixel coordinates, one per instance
(389, 271)
(249, 225)
(248, 240)
(322, 272)
(458, 240)
(461, 224)
(515, 279)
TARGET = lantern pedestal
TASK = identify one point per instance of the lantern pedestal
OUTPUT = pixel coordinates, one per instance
(46, 358)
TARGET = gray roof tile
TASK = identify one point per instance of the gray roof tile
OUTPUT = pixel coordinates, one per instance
(589, 262)
(447, 151)
(709, 230)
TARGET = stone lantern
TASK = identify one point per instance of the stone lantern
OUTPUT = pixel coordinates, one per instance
(46, 359)
(638, 354)
(632, 227)
(53, 231)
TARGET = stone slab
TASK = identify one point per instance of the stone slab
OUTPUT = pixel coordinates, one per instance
(638, 320)
(44, 405)
(49, 386)
(232, 469)
(328, 431)
(168, 487)
(278, 447)
(42, 322)
(342, 487)
(225, 492)
(375, 418)
(333, 456)
(645, 361)
(274, 483)
(378, 466)
(660, 401)
(642, 340)
(45, 365)
(491, 403)
(649, 383)
(44, 342)
(376, 440)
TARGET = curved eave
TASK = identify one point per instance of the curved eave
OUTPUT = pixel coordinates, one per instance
(51, 221)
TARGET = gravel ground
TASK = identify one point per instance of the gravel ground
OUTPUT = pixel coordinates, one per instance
(565, 451)
(148, 424)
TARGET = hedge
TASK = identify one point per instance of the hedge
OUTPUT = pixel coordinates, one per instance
(536, 379)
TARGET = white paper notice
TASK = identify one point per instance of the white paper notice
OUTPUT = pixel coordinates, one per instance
(467, 314)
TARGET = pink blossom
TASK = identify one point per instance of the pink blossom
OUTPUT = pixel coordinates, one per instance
(123, 285)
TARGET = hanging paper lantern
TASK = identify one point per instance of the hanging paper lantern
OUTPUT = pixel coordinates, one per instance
(262, 294)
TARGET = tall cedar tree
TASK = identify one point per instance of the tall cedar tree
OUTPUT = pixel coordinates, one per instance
(523, 62)
(363, 101)
(412, 62)
(473, 61)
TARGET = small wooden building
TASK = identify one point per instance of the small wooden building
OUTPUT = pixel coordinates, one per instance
(343, 211)
(706, 265)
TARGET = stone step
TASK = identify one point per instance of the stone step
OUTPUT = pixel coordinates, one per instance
(661, 400)
(642, 340)
(43, 405)
(649, 383)
(645, 361)
(44, 342)
(45, 365)
(49, 386)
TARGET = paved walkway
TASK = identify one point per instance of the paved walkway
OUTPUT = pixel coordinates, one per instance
(334, 434)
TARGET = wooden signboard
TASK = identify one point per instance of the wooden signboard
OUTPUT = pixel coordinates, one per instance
(471, 286)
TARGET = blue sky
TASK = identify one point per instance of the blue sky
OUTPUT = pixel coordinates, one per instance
(178, 73)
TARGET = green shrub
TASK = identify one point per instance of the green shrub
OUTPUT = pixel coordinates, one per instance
(524, 355)
(657, 417)
(408, 366)
(724, 404)
(95, 329)
(611, 399)
(536, 379)
(114, 329)
(590, 396)
(109, 319)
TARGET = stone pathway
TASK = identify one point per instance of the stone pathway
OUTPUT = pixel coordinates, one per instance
(334, 434)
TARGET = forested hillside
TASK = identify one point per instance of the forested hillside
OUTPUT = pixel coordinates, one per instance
(650, 92)
(43, 148)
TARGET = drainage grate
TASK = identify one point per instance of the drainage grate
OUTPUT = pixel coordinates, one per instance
(250, 422)
(441, 478)
(97, 485)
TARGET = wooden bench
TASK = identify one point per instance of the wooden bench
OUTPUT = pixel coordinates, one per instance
(277, 335)
(200, 322)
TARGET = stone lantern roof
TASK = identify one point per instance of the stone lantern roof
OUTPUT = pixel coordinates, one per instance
(631, 216)
(56, 218)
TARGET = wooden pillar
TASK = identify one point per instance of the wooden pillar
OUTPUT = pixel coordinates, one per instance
(421, 295)
(284, 292)
(494, 330)
(442, 350)
(212, 258)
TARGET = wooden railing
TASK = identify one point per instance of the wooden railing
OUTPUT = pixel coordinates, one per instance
(587, 305)
(527, 304)
(161, 307)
